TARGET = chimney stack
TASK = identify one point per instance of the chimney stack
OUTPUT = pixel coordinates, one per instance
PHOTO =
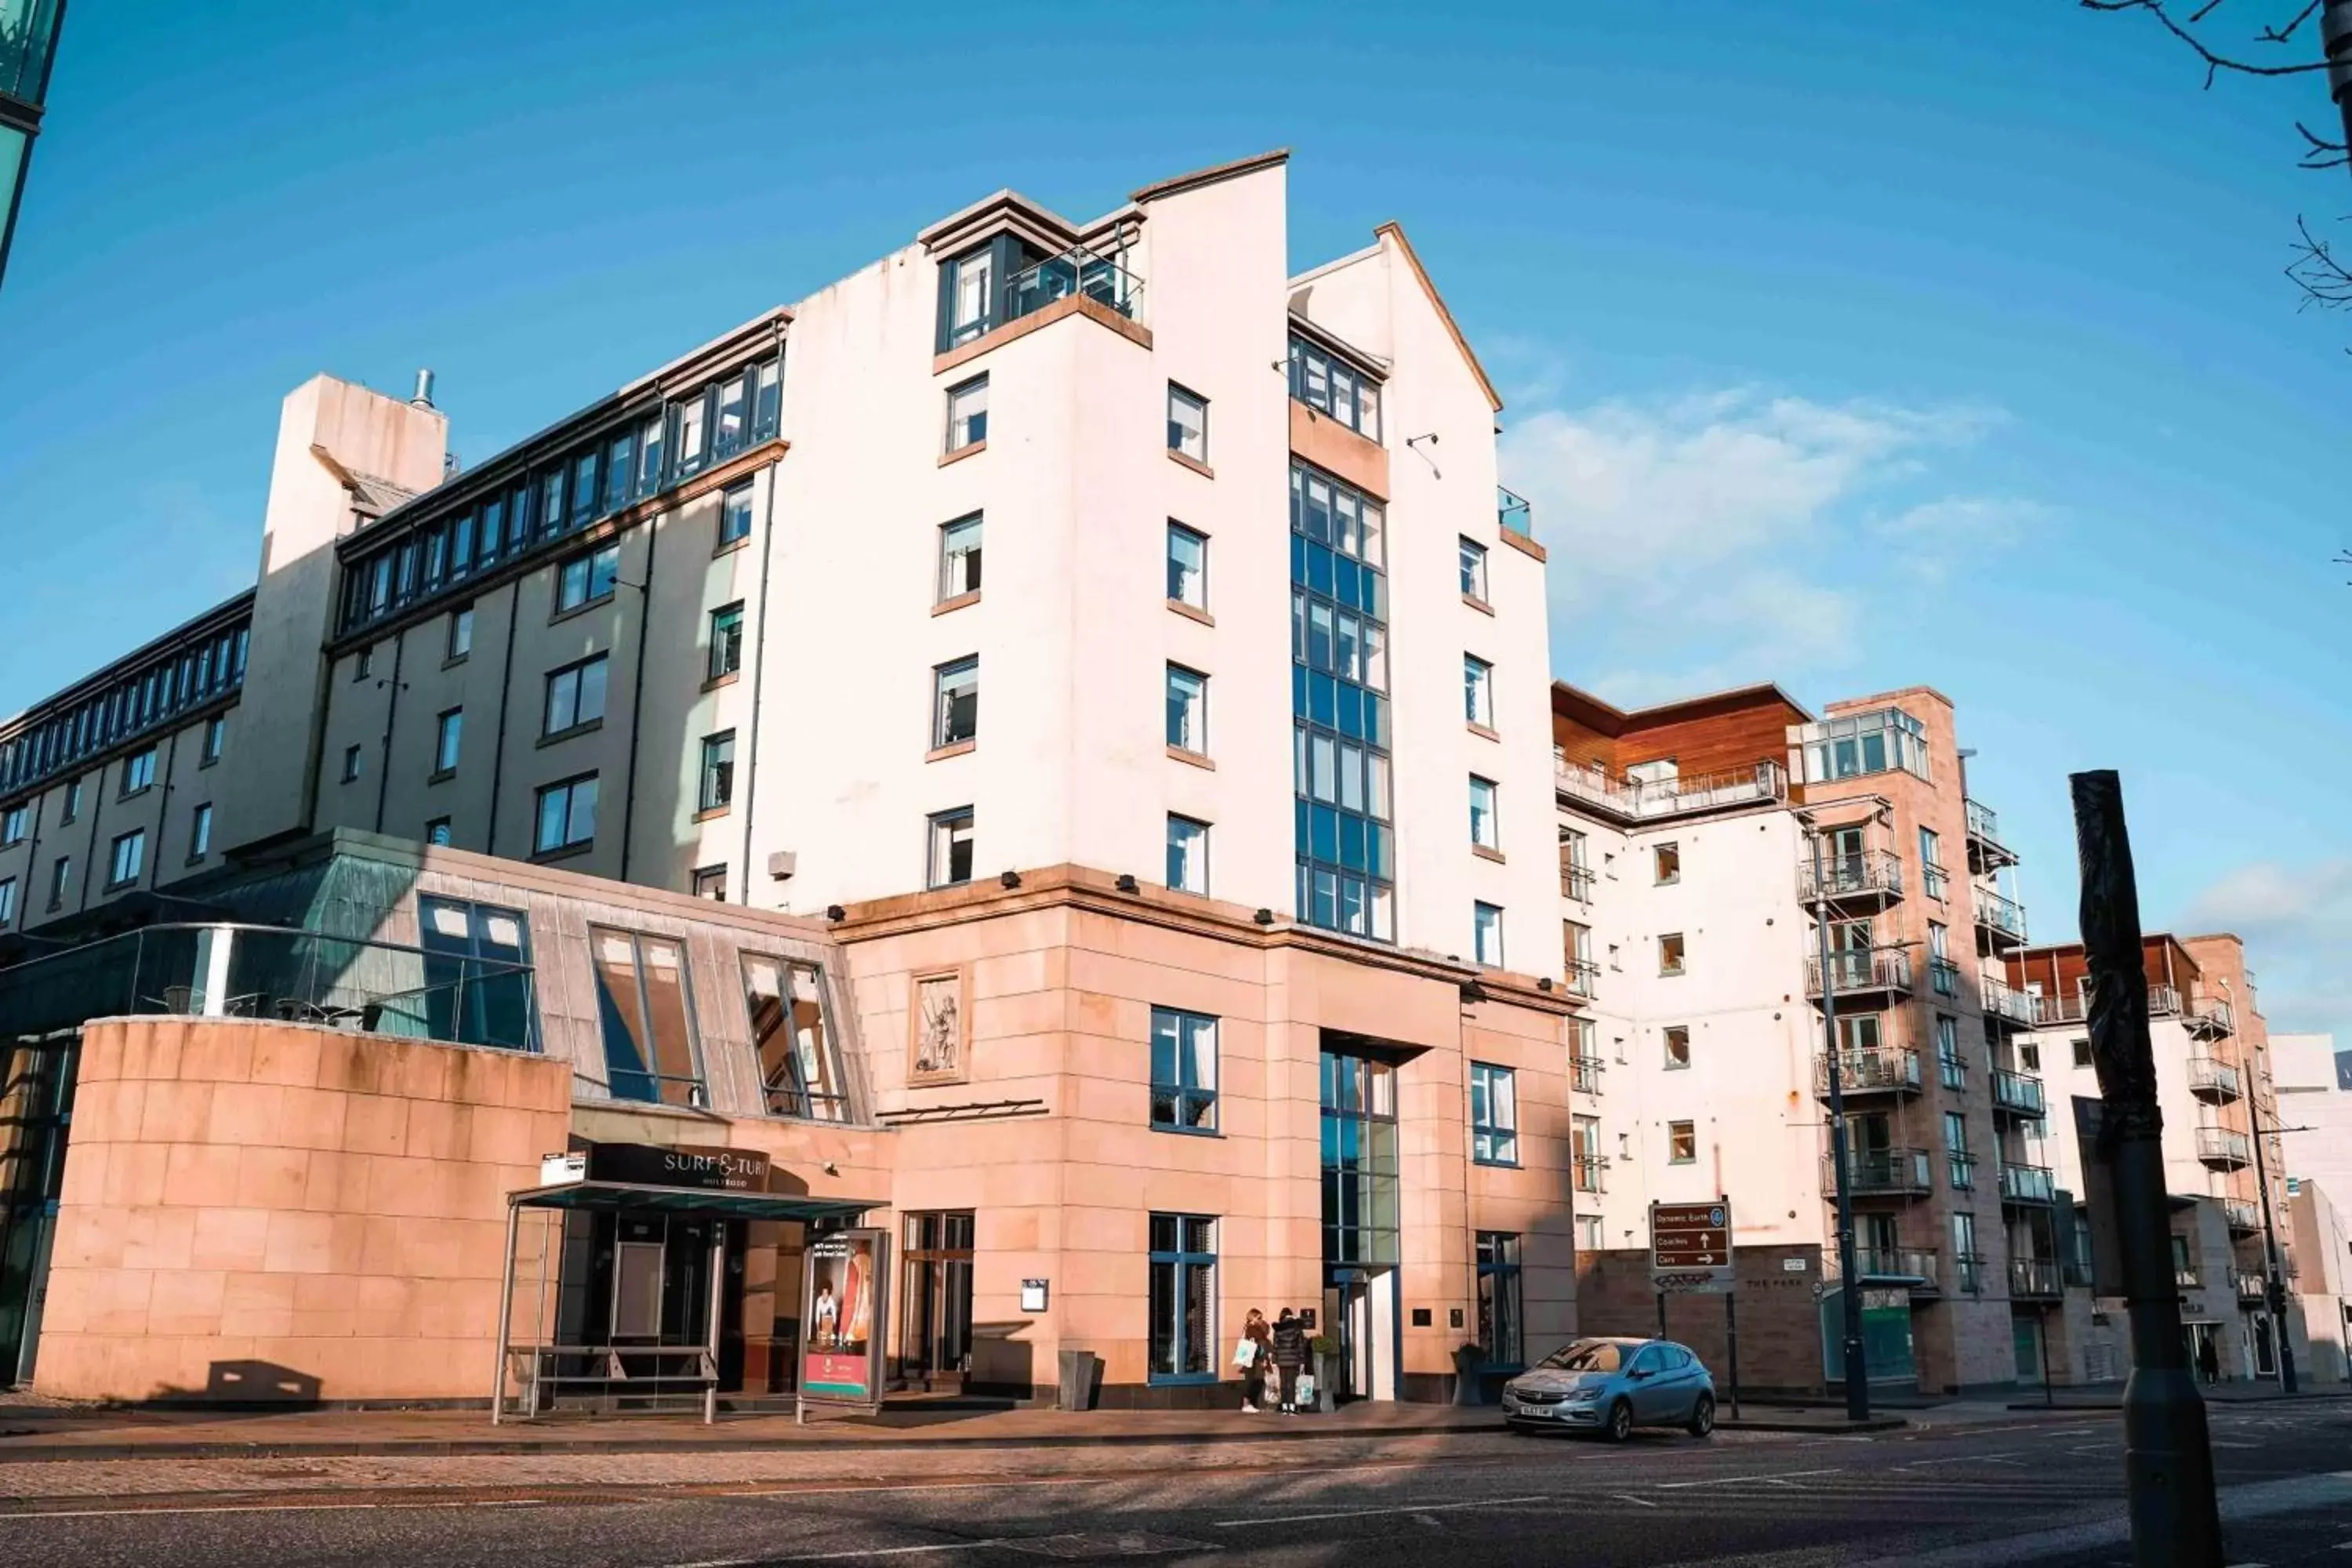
(424, 398)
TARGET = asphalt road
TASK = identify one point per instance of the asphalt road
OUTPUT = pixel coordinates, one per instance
(2044, 1488)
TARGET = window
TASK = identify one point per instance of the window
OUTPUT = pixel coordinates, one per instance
(2028, 1057)
(363, 661)
(1666, 864)
(1473, 569)
(1484, 832)
(1942, 974)
(620, 469)
(710, 882)
(1587, 1233)
(960, 558)
(1950, 1069)
(1853, 745)
(1584, 1151)
(1188, 566)
(7, 899)
(2081, 1053)
(73, 803)
(972, 296)
(451, 728)
(1670, 955)
(691, 431)
(200, 833)
(732, 414)
(130, 855)
(950, 861)
(1682, 1143)
(350, 764)
(137, 772)
(1486, 934)
(1494, 1115)
(1500, 1339)
(1583, 973)
(550, 502)
(1188, 855)
(735, 514)
(15, 824)
(1188, 424)
(1478, 692)
(790, 1038)
(1339, 709)
(1859, 1031)
(567, 815)
(60, 879)
(587, 579)
(216, 735)
(1964, 1248)
(1678, 1045)
(955, 703)
(1931, 862)
(437, 832)
(717, 790)
(461, 634)
(968, 414)
(1956, 1149)
(1330, 384)
(575, 697)
(725, 641)
(645, 1013)
(477, 982)
(1188, 709)
(1183, 1263)
(1184, 1071)
(649, 465)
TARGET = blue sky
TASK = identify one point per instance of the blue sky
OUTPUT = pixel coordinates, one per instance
(1846, 345)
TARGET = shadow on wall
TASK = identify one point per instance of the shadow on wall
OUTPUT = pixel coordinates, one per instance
(247, 1383)
(1000, 1359)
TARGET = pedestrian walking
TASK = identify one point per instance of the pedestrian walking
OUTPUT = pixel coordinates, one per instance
(2208, 1359)
(1289, 1349)
(1254, 1359)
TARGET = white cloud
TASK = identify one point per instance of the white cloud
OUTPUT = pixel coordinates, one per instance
(2297, 920)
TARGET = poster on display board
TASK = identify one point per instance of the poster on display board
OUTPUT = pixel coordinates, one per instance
(845, 1317)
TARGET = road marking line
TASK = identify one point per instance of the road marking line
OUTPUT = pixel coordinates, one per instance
(1737, 1481)
(264, 1507)
(1370, 1512)
(1645, 1503)
(872, 1552)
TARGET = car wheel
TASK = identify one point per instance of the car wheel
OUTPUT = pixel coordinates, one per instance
(1620, 1424)
(1702, 1421)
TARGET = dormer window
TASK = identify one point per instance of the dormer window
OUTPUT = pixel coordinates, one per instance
(1330, 385)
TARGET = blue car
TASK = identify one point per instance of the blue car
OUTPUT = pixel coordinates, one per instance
(1611, 1386)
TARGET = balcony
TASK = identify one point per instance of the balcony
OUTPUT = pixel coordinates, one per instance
(1986, 853)
(1075, 271)
(2223, 1149)
(2163, 1002)
(1512, 512)
(2250, 1289)
(2033, 1279)
(1917, 1266)
(1583, 977)
(2213, 1081)
(1650, 800)
(2004, 1005)
(1878, 1174)
(1584, 1074)
(2000, 922)
(2210, 1020)
(1882, 1071)
(2244, 1215)
(1860, 883)
(1871, 979)
(2017, 1094)
(2024, 1183)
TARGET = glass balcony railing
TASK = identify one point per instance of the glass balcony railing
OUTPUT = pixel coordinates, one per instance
(1868, 875)
(2016, 1092)
(1919, 1265)
(2210, 1078)
(1873, 1173)
(2004, 1004)
(2243, 1216)
(1075, 271)
(1881, 1071)
(2024, 1183)
(1514, 513)
(2034, 1278)
(1880, 969)
(2223, 1148)
(1648, 800)
(2002, 920)
(28, 31)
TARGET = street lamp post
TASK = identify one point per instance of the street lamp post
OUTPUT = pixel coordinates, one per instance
(1857, 1376)
(2274, 1291)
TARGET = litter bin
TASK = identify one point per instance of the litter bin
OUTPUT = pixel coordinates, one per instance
(1079, 1369)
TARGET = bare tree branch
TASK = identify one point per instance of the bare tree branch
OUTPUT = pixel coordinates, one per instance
(2322, 153)
(2281, 35)
(2216, 63)
(2325, 281)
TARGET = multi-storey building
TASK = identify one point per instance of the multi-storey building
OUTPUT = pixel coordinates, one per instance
(2215, 1088)
(1112, 835)
(28, 41)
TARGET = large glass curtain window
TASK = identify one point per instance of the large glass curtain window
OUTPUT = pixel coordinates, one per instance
(798, 1069)
(647, 1015)
(477, 987)
(935, 1334)
(1359, 1159)
(1339, 636)
(1183, 1297)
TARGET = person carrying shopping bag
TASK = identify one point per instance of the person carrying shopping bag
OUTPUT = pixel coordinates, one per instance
(1289, 1351)
(1254, 1358)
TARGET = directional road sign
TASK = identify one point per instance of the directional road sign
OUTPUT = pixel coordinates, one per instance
(1690, 1248)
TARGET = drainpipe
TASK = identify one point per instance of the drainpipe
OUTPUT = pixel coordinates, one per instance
(637, 692)
(760, 651)
(390, 715)
(506, 700)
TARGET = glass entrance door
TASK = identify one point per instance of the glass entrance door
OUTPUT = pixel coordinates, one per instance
(935, 1333)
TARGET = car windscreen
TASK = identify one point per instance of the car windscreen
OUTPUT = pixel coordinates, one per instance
(1584, 1355)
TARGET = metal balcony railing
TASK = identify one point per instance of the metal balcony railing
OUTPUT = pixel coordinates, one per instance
(1636, 800)
(1967, 1272)
(2074, 1008)
(1872, 877)
(1584, 1074)
(2002, 920)
(2004, 1004)
(1880, 969)
(2210, 1078)
(2212, 1019)
(2020, 1093)
(2223, 1148)
(1960, 1170)
(1585, 1173)
(2034, 1278)
(2242, 1215)
(1885, 1069)
(1919, 1265)
(1576, 882)
(1583, 977)
(1512, 512)
(1986, 852)
(2251, 1286)
(1878, 1172)
(1075, 271)
(2025, 1184)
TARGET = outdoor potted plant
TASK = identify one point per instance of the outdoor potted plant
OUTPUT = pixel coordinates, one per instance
(1325, 1351)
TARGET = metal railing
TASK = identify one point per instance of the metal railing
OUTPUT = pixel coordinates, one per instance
(1960, 1170)
(2074, 1006)
(2224, 1147)
(1576, 882)
(1967, 1272)
(2211, 1018)
(2025, 1184)
(2212, 1077)
(1584, 1074)
(1514, 513)
(2241, 1214)
(2004, 1003)
(2004, 918)
(1867, 875)
(1586, 1172)
(1583, 977)
(2034, 1276)
(1871, 1172)
(1984, 823)
(1918, 1264)
(2016, 1091)
(2251, 1286)
(1648, 800)
(1871, 1070)
(1075, 271)
(1878, 969)
(225, 970)
(1952, 1072)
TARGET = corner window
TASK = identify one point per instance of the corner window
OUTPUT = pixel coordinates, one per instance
(1682, 1143)
(1478, 692)
(645, 1013)
(726, 640)
(1486, 934)
(128, 858)
(567, 815)
(138, 771)
(449, 728)
(1678, 1045)
(587, 579)
(968, 414)
(1188, 709)
(958, 558)
(1184, 1071)
(1188, 424)
(955, 703)
(1188, 566)
(735, 514)
(1501, 1338)
(477, 979)
(789, 1037)
(1473, 569)
(350, 764)
(1184, 1265)
(1494, 1115)
(951, 848)
(1670, 954)
(216, 736)
(717, 789)
(1484, 832)
(1666, 864)
(1188, 855)
(574, 697)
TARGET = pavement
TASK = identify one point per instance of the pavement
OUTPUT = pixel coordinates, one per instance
(1974, 1487)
